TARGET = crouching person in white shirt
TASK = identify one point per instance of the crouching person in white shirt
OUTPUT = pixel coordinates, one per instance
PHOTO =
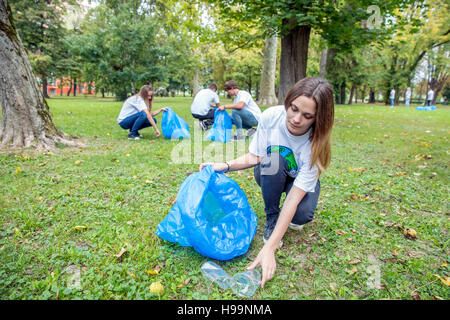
(201, 106)
(245, 112)
(136, 113)
(290, 149)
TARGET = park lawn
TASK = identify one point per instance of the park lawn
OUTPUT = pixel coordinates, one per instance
(77, 208)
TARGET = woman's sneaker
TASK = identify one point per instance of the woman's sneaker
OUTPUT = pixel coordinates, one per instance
(269, 226)
(297, 227)
(133, 137)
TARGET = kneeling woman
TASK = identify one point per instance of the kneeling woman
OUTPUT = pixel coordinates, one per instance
(136, 113)
(289, 151)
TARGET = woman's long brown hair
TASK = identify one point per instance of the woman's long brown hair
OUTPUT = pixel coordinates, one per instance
(144, 95)
(321, 92)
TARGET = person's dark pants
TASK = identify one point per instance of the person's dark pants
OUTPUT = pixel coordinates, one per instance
(272, 176)
(136, 122)
(208, 118)
(428, 102)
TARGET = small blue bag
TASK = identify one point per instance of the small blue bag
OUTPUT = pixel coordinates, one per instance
(426, 108)
(173, 126)
(221, 129)
(212, 215)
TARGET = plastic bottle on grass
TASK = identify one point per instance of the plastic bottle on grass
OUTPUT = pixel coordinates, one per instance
(216, 274)
(246, 283)
(243, 284)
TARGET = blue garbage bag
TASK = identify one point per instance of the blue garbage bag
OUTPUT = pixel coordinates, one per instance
(221, 129)
(426, 108)
(173, 126)
(212, 215)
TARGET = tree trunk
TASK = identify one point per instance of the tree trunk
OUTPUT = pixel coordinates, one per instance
(75, 87)
(26, 118)
(70, 88)
(323, 63)
(133, 88)
(371, 96)
(351, 94)
(363, 93)
(294, 57)
(268, 96)
(342, 93)
(103, 92)
(356, 94)
(195, 83)
(45, 87)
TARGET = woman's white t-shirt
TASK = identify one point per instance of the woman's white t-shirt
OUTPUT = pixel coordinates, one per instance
(132, 105)
(272, 135)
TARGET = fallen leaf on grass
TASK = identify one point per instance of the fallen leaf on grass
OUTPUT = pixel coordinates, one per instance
(415, 295)
(395, 252)
(445, 280)
(18, 170)
(444, 264)
(340, 232)
(77, 162)
(352, 270)
(131, 275)
(79, 228)
(156, 270)
(353, 196)
(181, 285)
(437, 298)
(355, 261)
(121, 253)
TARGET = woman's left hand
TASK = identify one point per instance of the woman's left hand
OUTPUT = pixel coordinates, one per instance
(164, 109)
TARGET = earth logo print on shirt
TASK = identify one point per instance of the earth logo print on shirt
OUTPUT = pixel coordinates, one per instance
(287, 154)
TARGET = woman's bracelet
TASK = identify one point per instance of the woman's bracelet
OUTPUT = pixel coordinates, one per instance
(228, 165)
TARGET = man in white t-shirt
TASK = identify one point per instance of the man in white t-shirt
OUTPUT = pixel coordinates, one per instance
(245, 112)
(201, 106)
(430, 96)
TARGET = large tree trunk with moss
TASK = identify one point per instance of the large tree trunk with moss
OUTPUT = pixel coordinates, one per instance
(26, 118)
(268, 96)
(294, 57)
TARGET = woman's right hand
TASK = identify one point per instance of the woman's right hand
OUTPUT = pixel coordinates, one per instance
(220, 167)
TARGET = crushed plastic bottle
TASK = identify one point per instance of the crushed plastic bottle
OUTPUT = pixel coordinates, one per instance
(246, 283)
(243, 284)
(216, 274)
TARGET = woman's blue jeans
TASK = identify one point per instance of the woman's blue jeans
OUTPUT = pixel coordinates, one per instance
(272, 176)
(136, 122)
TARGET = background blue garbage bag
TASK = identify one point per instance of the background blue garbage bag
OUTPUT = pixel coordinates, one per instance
(212, 215)
(426, 108)
(221, 129)
(173, 126)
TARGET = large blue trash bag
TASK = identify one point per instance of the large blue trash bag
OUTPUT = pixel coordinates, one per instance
(173, 126)
(212, 215)
(221, 129)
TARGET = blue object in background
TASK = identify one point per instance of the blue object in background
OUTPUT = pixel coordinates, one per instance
(426, 108)
(221, 129)
(173, 126)
(212, 215)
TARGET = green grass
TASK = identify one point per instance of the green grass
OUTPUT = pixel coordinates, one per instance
(389, 171)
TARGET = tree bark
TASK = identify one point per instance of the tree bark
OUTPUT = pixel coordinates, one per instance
(26, 118)
(45, 87)
(267, 96)
(371, 96)
(75, 87)
(70, 87)
(294, 57)
(323, 63)
(351, 94)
